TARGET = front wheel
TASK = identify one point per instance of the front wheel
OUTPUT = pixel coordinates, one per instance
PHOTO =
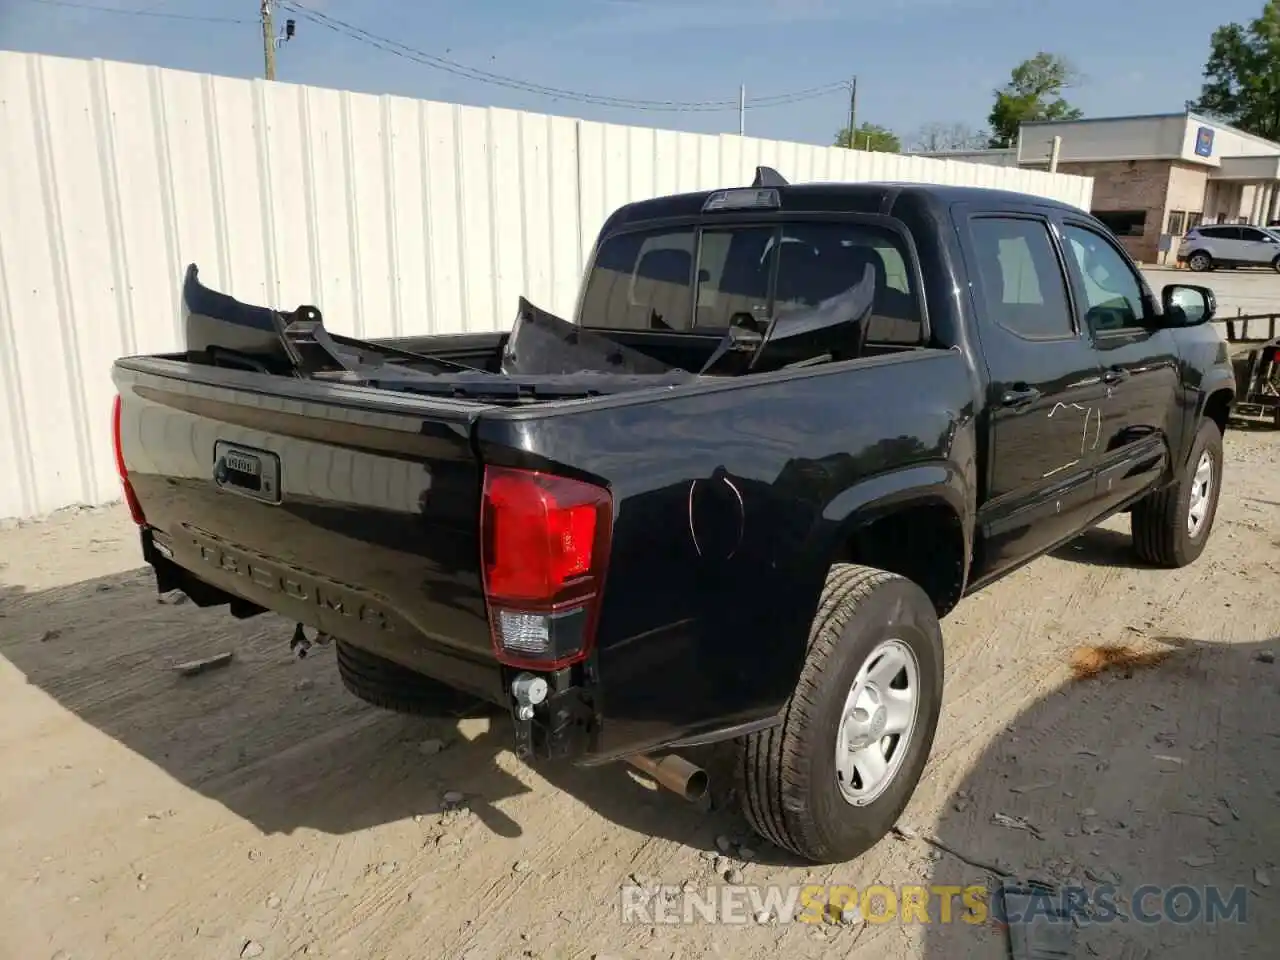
(1275, 264)
(832, 779)
(1171, 526)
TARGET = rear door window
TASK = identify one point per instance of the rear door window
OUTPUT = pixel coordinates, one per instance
(1023, 287)
(1220, 233)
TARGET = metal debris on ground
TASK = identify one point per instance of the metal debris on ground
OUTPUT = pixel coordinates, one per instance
(193, 667)
(1016, 823)
(1226, 802)
(1039, 929)
(1197, 860)
(1030, 787)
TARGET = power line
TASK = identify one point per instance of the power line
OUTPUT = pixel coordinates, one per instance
(353, 32)
(447, 65)
(138, 13)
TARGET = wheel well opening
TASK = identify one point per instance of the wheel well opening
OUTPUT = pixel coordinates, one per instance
(1218, 408)
(924, 543)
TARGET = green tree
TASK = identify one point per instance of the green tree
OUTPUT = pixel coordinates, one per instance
(1034, 92)
(1242, 75)
(870, 137)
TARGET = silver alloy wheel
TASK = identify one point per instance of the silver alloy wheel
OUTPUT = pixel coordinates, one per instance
(1201, 488)
(1199, 261)
(878, 720)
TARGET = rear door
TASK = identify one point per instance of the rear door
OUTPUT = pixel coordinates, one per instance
(1044, 389)
(1139, 364)
(1225, 244)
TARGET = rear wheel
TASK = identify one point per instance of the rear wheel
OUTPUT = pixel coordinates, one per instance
(382, 683)
(1200, 261)
(1275, 264)
(1171, 526)
(833, 778)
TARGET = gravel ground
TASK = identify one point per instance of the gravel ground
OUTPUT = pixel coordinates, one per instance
(1104, 723)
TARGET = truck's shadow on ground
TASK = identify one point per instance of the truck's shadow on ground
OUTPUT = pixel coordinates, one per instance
(1161, 769)
(274, 739)
(1100, 547)
(279, 743)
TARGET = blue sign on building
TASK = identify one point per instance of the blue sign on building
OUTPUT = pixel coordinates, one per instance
(1204, 142)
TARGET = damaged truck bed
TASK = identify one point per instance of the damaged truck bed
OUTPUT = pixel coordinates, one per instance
(787, 429)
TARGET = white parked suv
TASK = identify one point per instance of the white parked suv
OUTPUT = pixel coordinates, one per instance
(1230, 245)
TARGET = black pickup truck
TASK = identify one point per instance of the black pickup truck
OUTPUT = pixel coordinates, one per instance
(790, 428)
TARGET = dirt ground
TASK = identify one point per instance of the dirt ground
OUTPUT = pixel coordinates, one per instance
(258, 810)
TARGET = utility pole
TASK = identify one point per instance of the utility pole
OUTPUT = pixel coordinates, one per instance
(853, 113)
(268, 40)
(742, 110)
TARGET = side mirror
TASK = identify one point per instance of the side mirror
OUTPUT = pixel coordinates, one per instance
(1187, 306)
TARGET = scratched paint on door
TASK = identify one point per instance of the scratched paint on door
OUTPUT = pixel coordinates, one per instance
(1092, 416)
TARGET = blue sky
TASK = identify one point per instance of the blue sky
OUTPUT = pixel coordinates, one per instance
(916, 61)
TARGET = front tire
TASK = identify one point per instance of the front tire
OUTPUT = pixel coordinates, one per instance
(1275, 264)
(382, 683)
(1171, 526)
(832, 779)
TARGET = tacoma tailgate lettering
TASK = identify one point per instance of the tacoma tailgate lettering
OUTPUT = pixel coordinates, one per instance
(343, 601)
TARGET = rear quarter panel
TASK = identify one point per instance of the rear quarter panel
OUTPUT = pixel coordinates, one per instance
(730, 504)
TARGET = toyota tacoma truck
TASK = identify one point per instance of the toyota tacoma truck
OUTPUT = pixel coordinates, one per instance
(788, 428)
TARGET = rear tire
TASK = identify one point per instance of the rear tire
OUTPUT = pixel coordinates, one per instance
(382, 683)
(795, 779)
(1164, 531)
(1200, 262)
(1275, 264)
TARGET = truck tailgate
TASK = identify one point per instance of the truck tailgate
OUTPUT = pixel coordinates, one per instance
(351, 510)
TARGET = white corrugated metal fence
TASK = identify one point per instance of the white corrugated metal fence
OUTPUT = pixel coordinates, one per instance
(394, 216)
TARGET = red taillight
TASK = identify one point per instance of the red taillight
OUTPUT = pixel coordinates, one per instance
(544, 548)
(135, 508)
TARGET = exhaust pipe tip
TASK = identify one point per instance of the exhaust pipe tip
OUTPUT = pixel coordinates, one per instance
(674, 773)
(696, 787)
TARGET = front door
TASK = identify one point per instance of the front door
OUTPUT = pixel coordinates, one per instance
(1257, 248)
(1139, 365)
(1044, 392)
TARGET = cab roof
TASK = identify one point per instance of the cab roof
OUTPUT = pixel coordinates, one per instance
(877, 197)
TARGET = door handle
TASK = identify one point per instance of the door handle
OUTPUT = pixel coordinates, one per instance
(1115, 375)
(1020, 396)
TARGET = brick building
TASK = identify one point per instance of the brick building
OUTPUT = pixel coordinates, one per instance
(1155, 176)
